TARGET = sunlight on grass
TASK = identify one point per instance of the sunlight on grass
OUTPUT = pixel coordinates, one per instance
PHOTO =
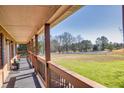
(105, 69)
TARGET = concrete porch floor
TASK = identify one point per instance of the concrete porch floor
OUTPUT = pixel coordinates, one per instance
(25, 77)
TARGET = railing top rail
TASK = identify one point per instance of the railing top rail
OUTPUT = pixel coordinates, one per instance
(41, 59)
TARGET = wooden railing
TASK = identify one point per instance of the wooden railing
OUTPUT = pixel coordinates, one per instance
(60, 77)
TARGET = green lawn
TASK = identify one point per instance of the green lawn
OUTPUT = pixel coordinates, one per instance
(105, 69)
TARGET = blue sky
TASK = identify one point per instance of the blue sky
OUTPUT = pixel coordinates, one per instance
(93, 21)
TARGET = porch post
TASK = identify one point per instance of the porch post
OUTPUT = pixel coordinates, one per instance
(36, 44)
(32, 45)
(1, 56)
(123, 23)
(29, 46)
(47, 42)
(1, 50)
(10, 53)
(47, 52)
(11, 49)
(15, 49)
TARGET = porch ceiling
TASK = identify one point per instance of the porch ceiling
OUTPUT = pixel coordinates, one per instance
(22, 22)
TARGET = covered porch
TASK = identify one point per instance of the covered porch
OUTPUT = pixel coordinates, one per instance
(22, 25)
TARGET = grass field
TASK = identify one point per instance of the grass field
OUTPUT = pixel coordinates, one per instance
(105, 69)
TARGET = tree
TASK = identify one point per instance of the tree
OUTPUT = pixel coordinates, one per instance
(41, 45)
(110, 46)
(117, 45)
(73, 47)
(102, 42)
(80, 47)
(79, 38)
(86, 45)
(22, 47)
(59, 39)
(95, 47)
(54, 45)
(98, 43)
(41, 48)
(67, 40)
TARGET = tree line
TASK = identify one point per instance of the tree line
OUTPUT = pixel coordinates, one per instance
(66, 42)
